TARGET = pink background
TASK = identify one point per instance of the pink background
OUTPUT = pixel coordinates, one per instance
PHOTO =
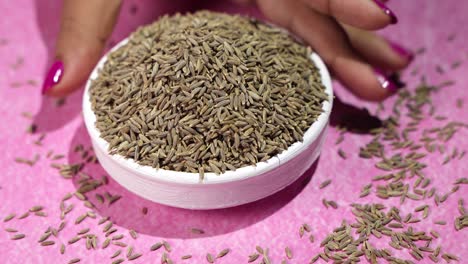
(30, 28)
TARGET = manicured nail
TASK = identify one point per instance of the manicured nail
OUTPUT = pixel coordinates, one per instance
(53, 76)
(387, 11)
(403, 52)
(385, 81)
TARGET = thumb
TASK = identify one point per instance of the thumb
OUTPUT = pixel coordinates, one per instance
(85, 27)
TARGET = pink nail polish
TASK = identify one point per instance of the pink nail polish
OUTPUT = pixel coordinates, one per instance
(387, 11)
(403, 52)
(386, 82)
(53, 76)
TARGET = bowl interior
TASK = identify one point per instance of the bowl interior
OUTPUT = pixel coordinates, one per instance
(209, 178)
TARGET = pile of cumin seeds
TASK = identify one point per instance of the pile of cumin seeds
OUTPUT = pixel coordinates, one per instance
(206, 92)
(399, 149)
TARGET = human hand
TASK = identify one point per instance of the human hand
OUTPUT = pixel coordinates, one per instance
(340, 32)
(336, 29)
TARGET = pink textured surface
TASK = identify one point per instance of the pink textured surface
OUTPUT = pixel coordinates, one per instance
(30, 28)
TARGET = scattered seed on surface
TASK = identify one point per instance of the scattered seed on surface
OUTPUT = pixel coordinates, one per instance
(75, 260)
(209, 258)
(342, 154)
(288, 253)
(118, 261)
(133, 234)
(325, 184)
(253, 257)
(223, 253)
(47, 243)
(9, 217)
(134, 256)
(116, 254)
(156, 246)
(18, 236)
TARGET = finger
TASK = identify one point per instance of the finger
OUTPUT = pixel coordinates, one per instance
(330, 41)
(364, 14)
(85, 27)
(378, 51)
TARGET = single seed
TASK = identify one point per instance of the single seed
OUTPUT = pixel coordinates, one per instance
(133, 234)
(314, 259)
(301, 231)
(288, 253)
(118, 261)
(44, 237)
(80, 196)
(23, 215)
(435, 234)
(223, 253)
(259, 249)
(253, 257)
(18, 236)
(61, 226)
(167, 246)
(134, 256)
(83, 231)
(74, 239)
(342, 154)
(40, 213)
(107, 227)
(209, 258)
(117, 237)
(120, 244)
(325, 184)
(47, 243)
(62, 248)
(9, 217)
(156, 246)
(36, 208)
(116, 254)
(80, 219)
(129, 251)
(67, 197)
(103, 220)
(106, 243)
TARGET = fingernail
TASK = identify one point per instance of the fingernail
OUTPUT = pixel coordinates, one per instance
(385, 81)
(54, 75)
(403, 52)
(387, 11)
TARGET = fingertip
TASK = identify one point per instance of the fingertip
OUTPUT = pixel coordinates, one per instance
(387, 11)
(65, 80)
(76, 61)
(363, 81)
(53, 77)
(401, 57)
(377, 18)
(85, 26)
(379, 51)
(364, 14)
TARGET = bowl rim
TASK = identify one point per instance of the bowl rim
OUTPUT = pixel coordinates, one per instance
(170, 176)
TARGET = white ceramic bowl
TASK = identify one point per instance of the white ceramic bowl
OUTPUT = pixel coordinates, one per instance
(244, 185)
